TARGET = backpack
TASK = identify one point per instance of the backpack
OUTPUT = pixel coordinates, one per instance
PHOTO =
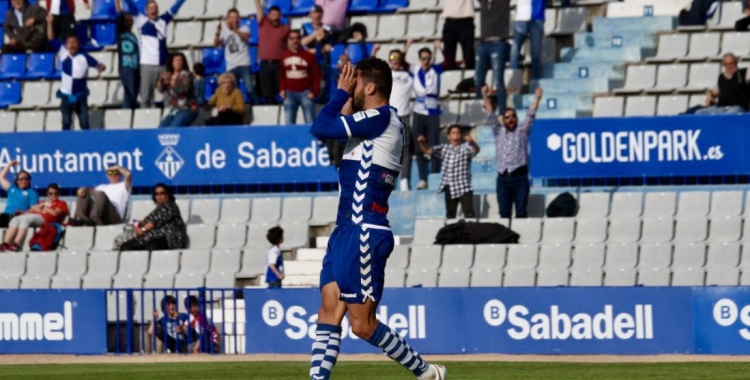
(47, 238)
(451, 234)
(563, 206)
(489, 233)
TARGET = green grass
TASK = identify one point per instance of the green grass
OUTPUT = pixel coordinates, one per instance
(378, 371)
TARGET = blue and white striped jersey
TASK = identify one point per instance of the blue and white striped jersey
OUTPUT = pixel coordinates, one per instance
(153, 34)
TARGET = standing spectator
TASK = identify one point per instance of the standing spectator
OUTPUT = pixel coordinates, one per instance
(107, 203)
(493, 47)
(459, 29)
(237, 50)
(171, 329)
(205, 337)
(317, 38)
(529, 23)
(743, 24)
(74, 90)
(299, 80)
(456, 177)
(20, 194)
(732, 94)
(272, 36)
(334, 13)
(152, 44)
(229, 101)
(275, 270)
(164, 228)
(512, 145)
(176, 83)
(64, 11)
(199, 83)
(426, 112)
(403, 87)
(25, 28)
(128, 57)
(44, 212)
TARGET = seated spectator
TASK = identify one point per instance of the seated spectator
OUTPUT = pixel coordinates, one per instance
(64, 11)
(20, 194)
(199, 83)
(275, 269)
(699, 12)
(732, 95)
(334, 13)
(743, 24)
(235, 37)
(128, 53)
(356, 33)
(179, 93)
(229, 101)
(171, 329)
(455, 180)
(299, 80)
(74, 91)
(163, 228)
(204, 336)
(25, 28)
(105, 204)
(51, 211)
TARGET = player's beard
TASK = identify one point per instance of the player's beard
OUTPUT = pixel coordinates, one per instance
(358, 100)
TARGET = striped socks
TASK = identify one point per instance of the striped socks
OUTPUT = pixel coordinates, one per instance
(325, 350)
(397, 349)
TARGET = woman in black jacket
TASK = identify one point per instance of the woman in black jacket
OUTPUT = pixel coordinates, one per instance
(163, 228)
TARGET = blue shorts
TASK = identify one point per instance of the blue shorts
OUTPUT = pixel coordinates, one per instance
(355, 259)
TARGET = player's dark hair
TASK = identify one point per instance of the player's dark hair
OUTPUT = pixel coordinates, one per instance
(275, 235)
(53, 186)
(511, 109)
(233, 10)
(450, 128)
(424, 50)
(166, 301)
(274, 8)
(376, 71)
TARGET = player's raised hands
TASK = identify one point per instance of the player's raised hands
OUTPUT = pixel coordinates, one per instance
(348, 78)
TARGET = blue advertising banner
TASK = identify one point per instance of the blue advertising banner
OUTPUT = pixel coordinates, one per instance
(53, 322)
(179, 156)
(640, 147)
(722, 320)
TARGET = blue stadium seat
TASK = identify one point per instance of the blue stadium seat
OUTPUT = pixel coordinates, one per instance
(12, 66)
(337, 51)
(285, 5)
(141, 5)
(301, 7)
(10, 93)
(82, 31)
(363, 5)
(251, 23)
(40, 65)
(210, 87)
(254, 64)
(213, 59)
(358, 52)
(105, 34)
(392, 5)
(243, 90)
(103, 10)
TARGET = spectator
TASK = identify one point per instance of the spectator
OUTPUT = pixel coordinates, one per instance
(152, 44)
(161, 229)
(199, 83)
(105, 204)
(20, 194)
(403, 86)
(176, 83)
(25, 28)
(334, 13)
(128, 57)
(459, 29)
(74, 91)
(171, 329)
(299, 80)
(237, 50)
(512, 147)
(229, 101)
(732, 94)
(493, 47)
(204, 336)
(426, 112)
(272, 40)
(456, 177)
(699, 12)
(65, 21)
(529, 23)
(743, 24)
(317, 38)
(275, 270)
(44, 212)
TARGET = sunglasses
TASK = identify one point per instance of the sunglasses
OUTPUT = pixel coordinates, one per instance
(394, 57)
(113, 172)
(425, 58)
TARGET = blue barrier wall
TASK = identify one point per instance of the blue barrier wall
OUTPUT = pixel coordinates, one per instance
(602, 320)
(179, 156)
(53, 322)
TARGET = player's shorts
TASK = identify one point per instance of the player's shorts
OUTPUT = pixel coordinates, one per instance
(355, 259)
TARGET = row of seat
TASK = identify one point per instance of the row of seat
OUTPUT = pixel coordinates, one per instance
(667, 78)
(724, 18)
(702, 46)
(646, 105)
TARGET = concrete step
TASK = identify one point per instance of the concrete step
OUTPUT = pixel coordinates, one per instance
(321, 241)
(311, 254)
(615, 38)
(585, 69)
(300, 268)
(302, 280)
(602, 55)
(634, 24)
(556, 100)
(573, 86)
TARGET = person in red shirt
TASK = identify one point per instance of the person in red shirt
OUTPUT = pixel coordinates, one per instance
(52, 210)
(272, 35)
(299, 80)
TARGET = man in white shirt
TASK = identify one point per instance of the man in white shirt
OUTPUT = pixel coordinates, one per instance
(107, 203)
(235, 37)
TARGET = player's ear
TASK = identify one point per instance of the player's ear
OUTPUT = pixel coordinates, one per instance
(370, 89)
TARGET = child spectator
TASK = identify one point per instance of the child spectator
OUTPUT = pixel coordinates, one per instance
(199, 82)
(170, 329)
(275, 271)
(203, 334)
(129, 57)
(456, 174)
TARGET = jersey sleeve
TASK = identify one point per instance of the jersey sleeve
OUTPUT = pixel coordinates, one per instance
(91, 61)
(273, 255)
